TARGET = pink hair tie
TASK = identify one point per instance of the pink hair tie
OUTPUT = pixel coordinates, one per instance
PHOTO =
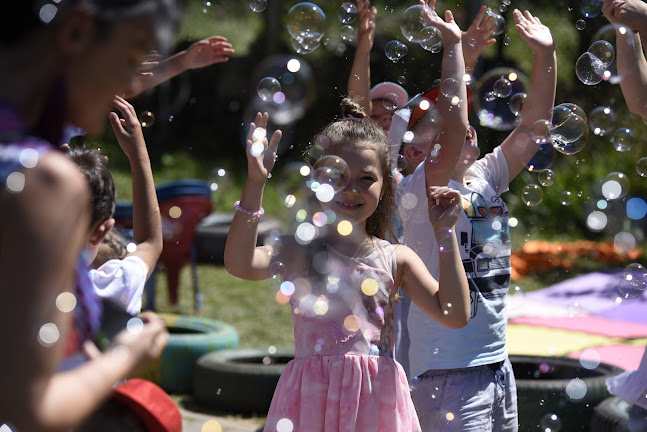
(350, 117)
(255, 214)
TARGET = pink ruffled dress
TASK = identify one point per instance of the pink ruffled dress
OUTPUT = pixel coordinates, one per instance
(343, 376)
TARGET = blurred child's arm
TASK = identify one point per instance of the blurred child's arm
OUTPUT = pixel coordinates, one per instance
(147, 222)
(242, 258)
(451, 107)
(518, 147)
(203, 53)
(632, 66)
(447, 300)
(359, 81)
(477, 38)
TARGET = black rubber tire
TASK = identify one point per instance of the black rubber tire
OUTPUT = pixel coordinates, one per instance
(238, 380)
(211, 235)
(611, 415)
(190, 337)
(540, 393)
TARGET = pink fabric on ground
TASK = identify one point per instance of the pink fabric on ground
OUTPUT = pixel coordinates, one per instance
(624, 356)
(588, 324)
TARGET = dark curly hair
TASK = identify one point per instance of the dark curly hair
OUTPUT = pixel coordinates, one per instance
(94, 167)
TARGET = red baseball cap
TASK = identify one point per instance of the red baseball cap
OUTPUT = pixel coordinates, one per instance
(418, 110)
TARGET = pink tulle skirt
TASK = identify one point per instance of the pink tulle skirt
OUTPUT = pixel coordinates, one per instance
(354, 393)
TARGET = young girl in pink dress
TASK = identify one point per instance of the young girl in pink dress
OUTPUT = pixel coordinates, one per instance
(342, 283)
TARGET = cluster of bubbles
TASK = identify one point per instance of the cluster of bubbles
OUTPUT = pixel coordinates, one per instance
(348, 13)
(395, 50)
(500, 94)
(306, 23)
(415, 29)
(593, 66)
(568, 129)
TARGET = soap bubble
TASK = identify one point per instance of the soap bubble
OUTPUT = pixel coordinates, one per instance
(502, 87)
(499, 20)
(566, 198)
(569, 131)
(641, 167)
(546, 177)
(347, 33)
(576, 389)
(532, 195)
(494, 112)
(543, 158)
(591, 8)
(516, 103)
(331, 170)
(449, 87)
(580, 24)
(412, 24)
(633, 281)
(348, 13)
(304, 46)
(306, 22)
(391, 101)
(604, 51)
(596, 221)
(624, 242)
(550, 423)
(395, 50)
(147, 119)
(258, 5)
(432, 39)
(622, 139)
(589, 69)
(608, 33)
(601, 120)
(267, 88)
(615, 185)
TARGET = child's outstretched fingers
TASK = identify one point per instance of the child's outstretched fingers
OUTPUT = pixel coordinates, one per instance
(537, 36)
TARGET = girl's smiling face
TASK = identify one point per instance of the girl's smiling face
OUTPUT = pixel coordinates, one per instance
(359, 199)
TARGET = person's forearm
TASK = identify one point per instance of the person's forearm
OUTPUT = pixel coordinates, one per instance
(632, 68)
(147, 222)
(164, 71)
(453, 292)
(240, 247)
(541, 91)
(359, 81)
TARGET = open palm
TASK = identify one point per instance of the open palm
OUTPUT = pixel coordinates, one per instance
(537, 36)
(261, 154)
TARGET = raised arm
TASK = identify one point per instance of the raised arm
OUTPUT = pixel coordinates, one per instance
(632, 66)
(451, 107)
(147, 222)
(477, 38)
(242, 258)
(359, 81)
(447, 300)
(203, 53)
(518, 147)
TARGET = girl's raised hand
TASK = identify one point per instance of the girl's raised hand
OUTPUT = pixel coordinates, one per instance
(448, 28)
(366, 27)
(477, 37)
(128, 130)
(261, 155)
(536, 35)
(444, 207)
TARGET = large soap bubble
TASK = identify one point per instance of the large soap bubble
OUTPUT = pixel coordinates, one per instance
(331, 170)
(306, 23)
(608, 33)
(602, 120)
(591, 8)
(493, 111)
(395, 50)
(569, 130)
(412, 24)
(348, 13)
(615, 185)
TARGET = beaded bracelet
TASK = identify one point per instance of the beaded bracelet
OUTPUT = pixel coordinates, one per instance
(256, 214)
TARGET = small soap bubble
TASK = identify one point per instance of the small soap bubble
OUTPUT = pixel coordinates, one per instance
(391, 101)
(602, 120)
(641, 167)
(175, 212)
(516, 103)
(402, 163)
(566, 198)
(325, 193)
(412, 24)
(532, 195)
(624, 242)
(502, 87)
(267, 87)
(352, 323)
(331, 170)
(348, 13)
(576, 389)
(615, 185)
(591, 8)
(344, 228)
(489, 96)
(432, 39)
(498, 20)
(258, 5)
(135, 325)
(580, 24)
(622, 139)
(449, 416)
(636, 208)
(402, 79)
(395, 50)
(633, 281)
(546, 177)
(596, 221)
(277, 269)
(257, 149)
(449, 87)
(603, 51)
(550, 423)
(48, 334)
(347, 33)
(589, 69)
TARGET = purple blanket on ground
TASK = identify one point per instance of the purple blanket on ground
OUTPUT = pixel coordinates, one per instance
(596, 293)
